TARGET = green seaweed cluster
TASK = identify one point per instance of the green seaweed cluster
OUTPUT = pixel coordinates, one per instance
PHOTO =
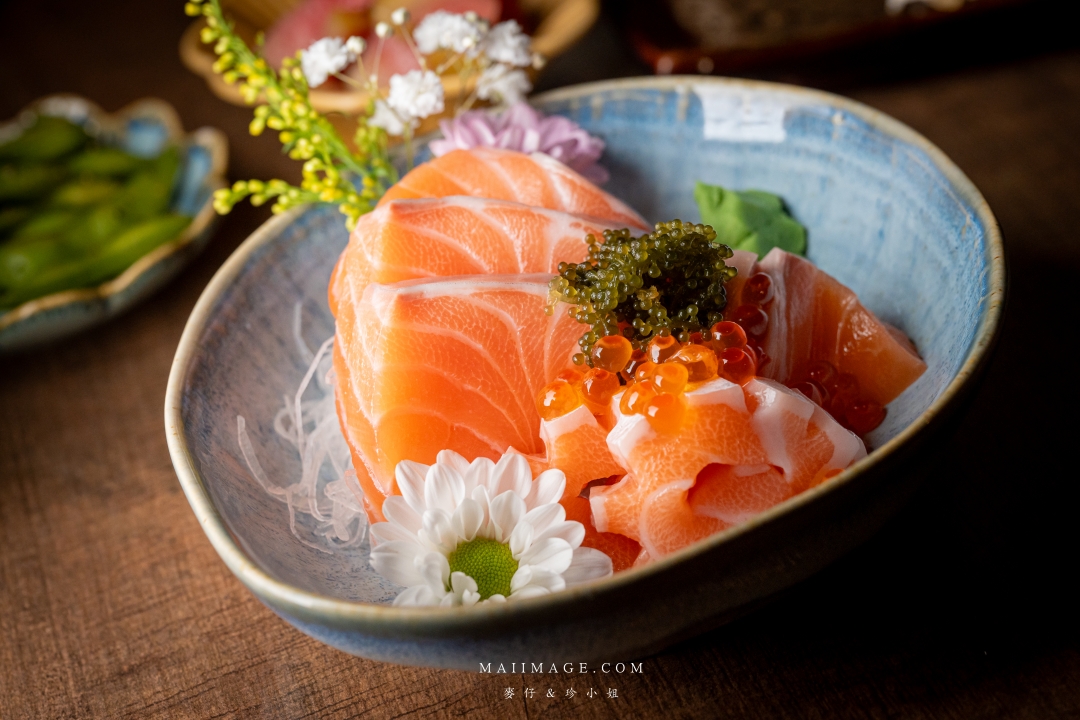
(668, 282)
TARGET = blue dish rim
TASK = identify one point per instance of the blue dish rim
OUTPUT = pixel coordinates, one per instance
(387, 620)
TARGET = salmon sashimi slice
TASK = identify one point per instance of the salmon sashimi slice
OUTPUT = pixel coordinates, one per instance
(435, 237)
(812, 317)
(622, 550)
(531, 179)
(575, 443)
(773, 442)
(445, 364)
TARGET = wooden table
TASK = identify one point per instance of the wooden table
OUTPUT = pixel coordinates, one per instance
(113, 603)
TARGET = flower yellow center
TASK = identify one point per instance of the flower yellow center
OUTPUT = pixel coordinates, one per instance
(488, 562)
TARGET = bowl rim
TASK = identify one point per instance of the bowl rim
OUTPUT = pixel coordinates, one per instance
(212, 139)
(387, 620)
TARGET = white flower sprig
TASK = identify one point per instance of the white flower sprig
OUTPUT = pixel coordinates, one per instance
(464, 533)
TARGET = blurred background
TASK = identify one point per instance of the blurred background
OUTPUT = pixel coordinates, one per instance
(112, 602)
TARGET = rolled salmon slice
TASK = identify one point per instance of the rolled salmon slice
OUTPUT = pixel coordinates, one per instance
(740, 451)
(438, 237)
(535, 179)
(445, 363)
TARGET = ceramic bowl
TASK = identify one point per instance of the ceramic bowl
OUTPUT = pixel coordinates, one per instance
(143, 128)
(888, 214)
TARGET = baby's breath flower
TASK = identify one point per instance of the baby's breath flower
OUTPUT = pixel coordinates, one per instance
(447, 31)
(506, 43)
(415, 95)
(503, 84)
(387, 119)
(356, 46)
(323, 58)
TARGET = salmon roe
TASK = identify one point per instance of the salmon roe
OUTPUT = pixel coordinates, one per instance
(729, 334)
(636, 358)
(670, 377)
(738, 365)
(612, 353)
(753, 319)
(661, 347)
(864, 416)
(556, 399)
(598, 387)
(635, 397)
(758, 289)
(665, 412)
(839, 393)
(645, 370)
(700, 362)
(571, 375)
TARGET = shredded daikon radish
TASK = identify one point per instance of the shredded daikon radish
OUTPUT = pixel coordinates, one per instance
(327, 489)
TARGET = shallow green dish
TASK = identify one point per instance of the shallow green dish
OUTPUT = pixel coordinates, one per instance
(888, 214)
(143, 125)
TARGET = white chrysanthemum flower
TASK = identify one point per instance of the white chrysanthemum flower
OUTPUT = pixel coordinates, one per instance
(449, 31)
(323, 58)
(506, 43)
(387, 119)
(503, 84)
(415, 95)
(463, 533)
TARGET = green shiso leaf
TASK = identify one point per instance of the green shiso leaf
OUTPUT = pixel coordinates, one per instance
(751, 220)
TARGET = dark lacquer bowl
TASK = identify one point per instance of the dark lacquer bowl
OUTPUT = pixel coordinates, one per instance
(888, 214)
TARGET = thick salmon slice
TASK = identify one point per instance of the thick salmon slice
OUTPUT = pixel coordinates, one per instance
(575, 443)
(812, 317)
(445, 363)
(535, 179)
(433, 237)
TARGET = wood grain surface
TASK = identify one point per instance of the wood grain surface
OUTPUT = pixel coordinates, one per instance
(114, 604)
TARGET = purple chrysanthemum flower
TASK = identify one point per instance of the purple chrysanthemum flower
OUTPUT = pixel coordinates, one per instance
(527, 130)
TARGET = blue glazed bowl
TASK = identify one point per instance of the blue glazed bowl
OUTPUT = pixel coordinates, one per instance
(888, 214)
(143, 128)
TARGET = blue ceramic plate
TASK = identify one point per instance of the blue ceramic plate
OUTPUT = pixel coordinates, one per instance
(143, 128)
(889, 215)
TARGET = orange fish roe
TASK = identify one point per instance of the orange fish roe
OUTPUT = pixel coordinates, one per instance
(729, 334)
(571, 375)
(840, 394)
(556, 399)
(700, 362)
(739, 366)
(636, 358)
(758, 289)
(670, 378)
(612, 353)
(598, 387)
(661, 347)
(635, 397)
(665, 412)
(645, 370)
(754, 320)
(864, 416)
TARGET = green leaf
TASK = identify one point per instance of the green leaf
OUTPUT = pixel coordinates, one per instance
(752, 220)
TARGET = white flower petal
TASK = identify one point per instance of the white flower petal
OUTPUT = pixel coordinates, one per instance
(397, 510)
(571, 531)
(468, 519)
(588, 564)
(548, 487)
(395, 561)
(460, 583)
(554, 554)
(434, 568)
(552, 582)
(439, 532)
(496, 598)
(512, 472)
(521, 578)
(506, 510)
(385, 532)
(529, 591)
(521, 539)
(469, 598)
(543, 517)
(453, 460)
(478, 473)
(417, 596)
(449, 600)
(410, 481)
(443, 488)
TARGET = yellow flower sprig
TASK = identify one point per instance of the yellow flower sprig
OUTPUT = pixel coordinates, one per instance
(332, 173)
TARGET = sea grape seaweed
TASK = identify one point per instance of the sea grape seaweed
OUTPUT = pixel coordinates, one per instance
(668, 282)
